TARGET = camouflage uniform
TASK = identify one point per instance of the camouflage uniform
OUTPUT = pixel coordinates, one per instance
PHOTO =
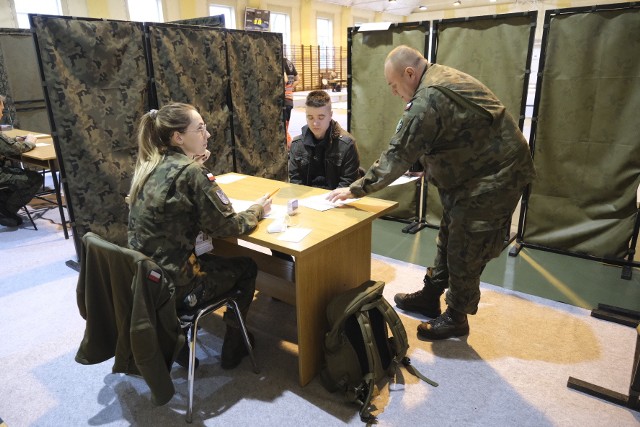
(341, 160)
(179, 199)
(22, 184)
(473, 151)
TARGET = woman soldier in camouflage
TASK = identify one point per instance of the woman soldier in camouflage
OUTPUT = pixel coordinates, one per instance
(173, 198)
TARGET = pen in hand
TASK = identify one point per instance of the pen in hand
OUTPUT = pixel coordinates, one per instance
(273, 193)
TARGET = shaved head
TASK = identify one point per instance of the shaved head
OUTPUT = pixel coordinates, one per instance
(403, 70)
(404, 56)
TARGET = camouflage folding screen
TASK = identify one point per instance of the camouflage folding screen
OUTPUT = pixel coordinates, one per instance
(100, 77)
(373, 110)
(586, 144)
(25, 104)
(494, 49)
(257, 87)
(189, 65)
(95, 82)
(216, 21)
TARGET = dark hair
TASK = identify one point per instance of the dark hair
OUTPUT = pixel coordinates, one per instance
(318, 98)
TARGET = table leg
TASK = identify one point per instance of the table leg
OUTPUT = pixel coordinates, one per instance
(342, 264)
(57, 188)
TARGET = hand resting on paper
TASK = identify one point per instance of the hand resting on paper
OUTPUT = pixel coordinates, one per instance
(340, 194)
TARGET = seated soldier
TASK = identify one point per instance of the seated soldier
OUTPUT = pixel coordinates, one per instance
(324, 155)
(17, 185)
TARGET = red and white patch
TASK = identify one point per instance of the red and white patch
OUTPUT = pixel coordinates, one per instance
(211, 177)
(154, 276)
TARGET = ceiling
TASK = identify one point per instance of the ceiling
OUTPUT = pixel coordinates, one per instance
(407, 7)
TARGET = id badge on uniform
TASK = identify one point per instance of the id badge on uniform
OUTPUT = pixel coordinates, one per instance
(204, 244)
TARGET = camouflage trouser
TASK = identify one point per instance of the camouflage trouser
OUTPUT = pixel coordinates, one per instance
(22, 185)
(472, 232)
(219, 275)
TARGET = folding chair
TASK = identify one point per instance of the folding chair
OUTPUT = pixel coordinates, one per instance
(189, 320)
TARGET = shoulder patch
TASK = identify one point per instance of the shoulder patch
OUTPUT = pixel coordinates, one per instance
(154, 276)
(210, 177)
(408, 106)
(223, 197)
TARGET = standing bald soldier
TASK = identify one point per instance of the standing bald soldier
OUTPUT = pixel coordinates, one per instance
(474, 153)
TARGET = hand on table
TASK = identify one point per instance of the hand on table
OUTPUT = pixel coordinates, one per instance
(340, 194)
(265, 202)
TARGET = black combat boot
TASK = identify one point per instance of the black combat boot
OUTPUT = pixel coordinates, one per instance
(8, 218)
(451, 323)
(233, 348)
(426, 301)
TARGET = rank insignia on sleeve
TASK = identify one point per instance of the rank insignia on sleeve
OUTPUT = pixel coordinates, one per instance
(154, 276)
(223, 197)
(211, 177)
(408, 106)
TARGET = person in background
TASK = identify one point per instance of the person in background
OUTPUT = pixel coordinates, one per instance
(173, 199)
(474, 153)
(290, 82)
(324, 155)
(17, 185)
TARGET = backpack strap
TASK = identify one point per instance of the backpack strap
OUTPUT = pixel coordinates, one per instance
(400, 341)
(369, 344)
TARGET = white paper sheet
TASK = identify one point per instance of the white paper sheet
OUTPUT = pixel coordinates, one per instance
(320, 202)
(277, 211)
(41, 144)
(228, 179)
(293, 234)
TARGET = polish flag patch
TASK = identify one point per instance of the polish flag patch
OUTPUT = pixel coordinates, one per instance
(211, 177)
(154, 276)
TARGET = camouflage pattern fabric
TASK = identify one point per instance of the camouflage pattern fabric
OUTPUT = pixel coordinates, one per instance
(473, 151)
(216, 21)
(22, 184)
(190, 66)
(97, 86)
(96, 82)
(257, 96)
(179, 199)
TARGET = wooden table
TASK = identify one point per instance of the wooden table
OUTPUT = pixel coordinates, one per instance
(44, 156)
(334, 257)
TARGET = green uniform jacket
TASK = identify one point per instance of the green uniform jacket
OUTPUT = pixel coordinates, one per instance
(130, 312)
(464, 137)
(11, 147)
(180, 199)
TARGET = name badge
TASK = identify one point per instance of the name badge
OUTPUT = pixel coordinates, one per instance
(203, 245)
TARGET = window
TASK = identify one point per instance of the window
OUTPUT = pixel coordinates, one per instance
(45, 7)
(145, 10)
(227, 11)
(280, 23)
(325, 42)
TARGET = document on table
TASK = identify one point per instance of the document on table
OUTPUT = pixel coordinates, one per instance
(228, 179)
(41, 144)
(277, 211)
(294, 234)
(320, 202)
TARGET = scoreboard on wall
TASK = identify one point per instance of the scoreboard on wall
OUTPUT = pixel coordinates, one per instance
(256, 19)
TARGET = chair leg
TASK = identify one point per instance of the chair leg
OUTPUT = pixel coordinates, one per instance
(192, 367)
(233, 305)
(29, 216)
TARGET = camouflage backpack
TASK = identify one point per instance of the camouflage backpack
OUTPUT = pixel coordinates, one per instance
(358, 350)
